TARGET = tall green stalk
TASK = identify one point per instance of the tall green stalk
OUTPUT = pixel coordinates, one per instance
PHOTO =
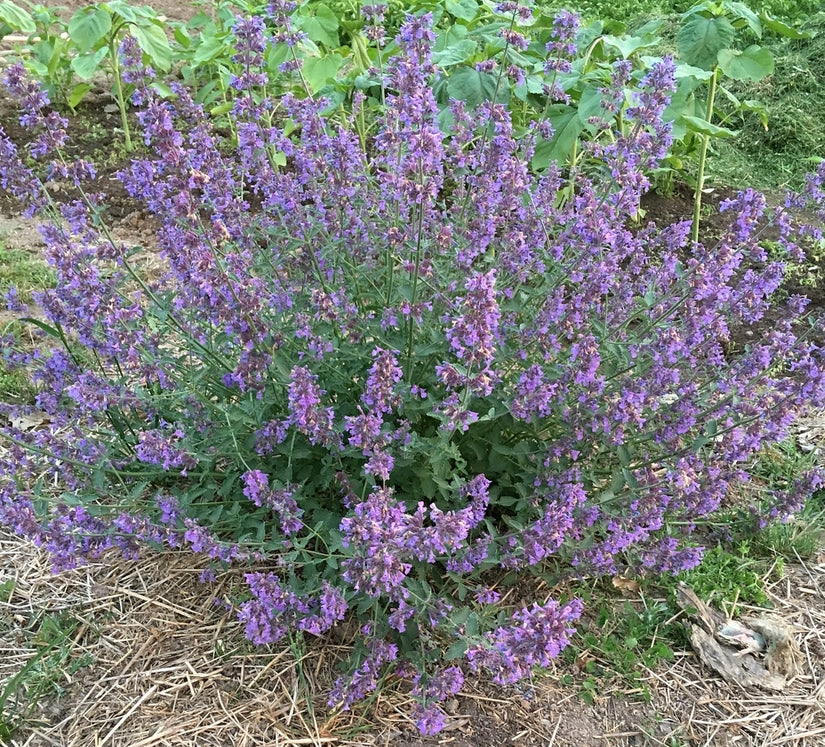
(703, 154)
(121, 99)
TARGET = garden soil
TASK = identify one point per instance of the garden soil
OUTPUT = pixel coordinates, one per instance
(145, 655)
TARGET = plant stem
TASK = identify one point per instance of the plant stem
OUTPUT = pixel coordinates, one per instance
(703, 153)
(121, 101)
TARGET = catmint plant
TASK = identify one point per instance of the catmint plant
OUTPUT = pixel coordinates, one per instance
(386, 378)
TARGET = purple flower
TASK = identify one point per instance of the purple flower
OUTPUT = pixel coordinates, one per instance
(473, 334)
(163, 447)
(306, 412)
(281, 501)
(534, 638)
(366, 676)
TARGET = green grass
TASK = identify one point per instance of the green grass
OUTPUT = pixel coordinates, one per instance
(53, 662)
(622, 637)
(27, 273)
(625, 635)
(630, 11)
(24, 271)
(778, 157)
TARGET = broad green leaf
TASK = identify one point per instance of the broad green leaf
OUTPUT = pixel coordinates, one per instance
(698, 8)
(532, 84)
(651, 28)
(588, 35)
(77, 93)
(163, 89)
(152, 40)
(466, 10)
(86, 65)
(775, 25)
(753, 63)
(182, 37)
(449, 36)
(683, 70)
(473, 86)
(681, 103)
(124, 10)
(729, 96)
(220, 109)
(129, 12)
(628, 45)
(567, 127)
(88, 26)
(703, 127)
(740, 10)
(38, 68)
(752, 105)
(208, 49)
(19, 19)
(321, 27)
(701, 39)
(590, 105)
(455, 53)
(319, 71)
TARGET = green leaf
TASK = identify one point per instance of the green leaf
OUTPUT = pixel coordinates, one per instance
(473, 86)
(77, 93)
(319, 71)
(740, 10)
(322, 27)
(590, 105)
(689, 71)
(51, 331)
(701, 39)
(208, 49)
(163, 89)
(122, 9)
(456, 650)
(19, 19)
(628, 45)
(753, 63)
(181, 36)
(453, 53)
(772, 24)
(466, 10)
(152, 40)
(703, 127)
(220, 109)
(86, 65)
(588, 35)
(471, 626)
(131, 13)
(752, 105)
(88, 26)
(567, 127)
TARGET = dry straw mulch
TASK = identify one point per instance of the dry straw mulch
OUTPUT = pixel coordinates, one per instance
(168, 665)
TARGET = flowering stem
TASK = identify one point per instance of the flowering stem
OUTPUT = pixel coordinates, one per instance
(413, 295)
